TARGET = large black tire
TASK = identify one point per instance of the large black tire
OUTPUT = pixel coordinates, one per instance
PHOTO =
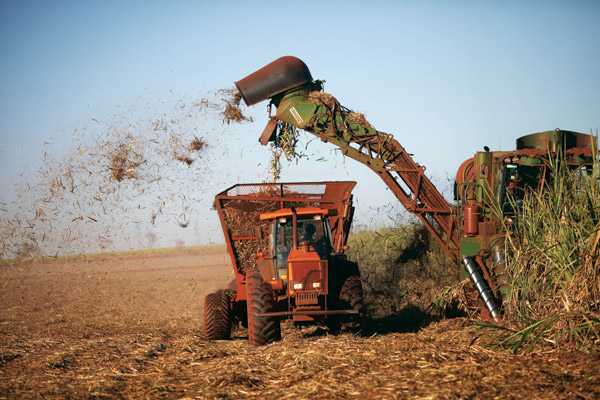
(351, 297)
(218, 314)
(260, 299)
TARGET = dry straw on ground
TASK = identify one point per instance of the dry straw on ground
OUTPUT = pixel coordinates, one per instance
(129, 327)
(440, 361)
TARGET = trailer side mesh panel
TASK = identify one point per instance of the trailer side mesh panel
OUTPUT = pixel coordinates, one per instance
(242, 216)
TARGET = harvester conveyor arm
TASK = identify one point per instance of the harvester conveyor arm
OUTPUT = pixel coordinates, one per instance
(321, 115)
(300, 102)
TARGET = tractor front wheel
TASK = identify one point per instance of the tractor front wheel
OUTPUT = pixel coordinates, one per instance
(260, 300)
(218, 314)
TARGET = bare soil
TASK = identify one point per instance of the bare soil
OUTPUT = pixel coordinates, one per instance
(130, 327)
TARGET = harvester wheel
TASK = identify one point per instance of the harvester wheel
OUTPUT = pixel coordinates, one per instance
(218, 314)
(351, 297)
(261, 299)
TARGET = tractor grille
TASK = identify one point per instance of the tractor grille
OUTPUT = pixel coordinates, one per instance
(307, 298)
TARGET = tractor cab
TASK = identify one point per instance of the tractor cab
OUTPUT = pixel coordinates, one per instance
(300, 244)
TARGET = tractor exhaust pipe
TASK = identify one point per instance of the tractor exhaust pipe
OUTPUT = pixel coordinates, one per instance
(294, 228)
(482, 287)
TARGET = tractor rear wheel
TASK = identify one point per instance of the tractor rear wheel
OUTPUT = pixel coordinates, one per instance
(351, 297)
(218, 314)
(260, 300)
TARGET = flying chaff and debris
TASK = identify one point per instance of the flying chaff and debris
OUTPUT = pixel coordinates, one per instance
(114, 174)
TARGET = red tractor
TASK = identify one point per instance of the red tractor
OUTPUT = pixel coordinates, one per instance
(287, 243)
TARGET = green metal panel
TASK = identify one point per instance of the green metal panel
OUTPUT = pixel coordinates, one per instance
(483, 162)
(295, 110)
(469, 247)
(552, 140)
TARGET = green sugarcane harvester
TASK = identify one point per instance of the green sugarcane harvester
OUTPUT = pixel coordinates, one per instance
(471, 232)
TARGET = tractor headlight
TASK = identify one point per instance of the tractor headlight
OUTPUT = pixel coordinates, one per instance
(297, 286)
(316, 285)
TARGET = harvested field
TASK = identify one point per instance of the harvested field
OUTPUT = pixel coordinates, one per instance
(130, 326)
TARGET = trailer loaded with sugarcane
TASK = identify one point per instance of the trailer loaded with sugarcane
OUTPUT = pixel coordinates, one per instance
(286, 242)
(489, 186)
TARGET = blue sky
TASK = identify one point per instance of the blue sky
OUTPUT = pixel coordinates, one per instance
(445, 78)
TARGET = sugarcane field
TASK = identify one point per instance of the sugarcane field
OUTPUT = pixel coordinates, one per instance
(194, 205)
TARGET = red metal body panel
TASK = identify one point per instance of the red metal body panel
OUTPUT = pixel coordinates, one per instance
(240, 207)
(307, 268)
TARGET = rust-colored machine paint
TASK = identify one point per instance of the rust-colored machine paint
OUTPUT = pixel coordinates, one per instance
(279, 76)
(377, 150)
(286, 242)
(471, 220)
(471, 232)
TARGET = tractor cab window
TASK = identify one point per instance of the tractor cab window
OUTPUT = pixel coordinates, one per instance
(315, 231)
(281, 241)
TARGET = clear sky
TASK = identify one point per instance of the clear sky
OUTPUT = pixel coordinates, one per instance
(445, 78)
